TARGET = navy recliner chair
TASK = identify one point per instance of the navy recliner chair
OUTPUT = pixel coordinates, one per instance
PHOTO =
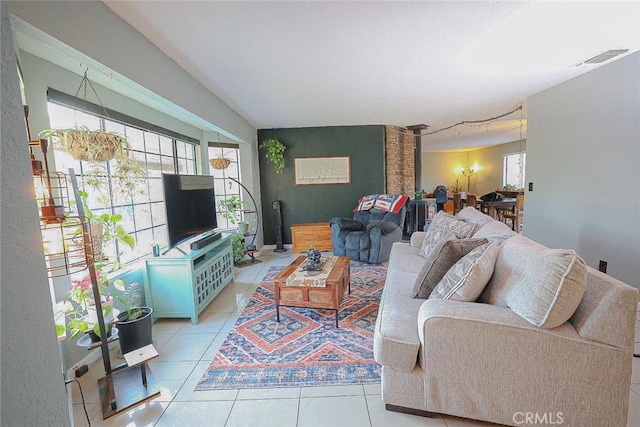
(369, 236)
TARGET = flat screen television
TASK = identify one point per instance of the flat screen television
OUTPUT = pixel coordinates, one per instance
(190, 206)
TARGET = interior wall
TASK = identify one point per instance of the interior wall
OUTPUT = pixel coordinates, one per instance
(32, 386)
(102, 35)
(319, 203)
(490, 162)
(443, 168)
(583, 154)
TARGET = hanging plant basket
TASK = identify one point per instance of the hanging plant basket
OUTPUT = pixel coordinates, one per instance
(87, 145)
(220, 163)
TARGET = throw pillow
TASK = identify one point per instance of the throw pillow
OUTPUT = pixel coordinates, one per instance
(542, 285)
(444, 227)
(468, 277)
(475, 217)
(495, 231)
(439, 261)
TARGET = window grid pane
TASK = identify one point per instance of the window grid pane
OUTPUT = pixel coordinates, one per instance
(223, 186)
(143, 216)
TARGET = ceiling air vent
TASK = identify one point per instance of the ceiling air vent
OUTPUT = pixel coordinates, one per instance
(605, 56)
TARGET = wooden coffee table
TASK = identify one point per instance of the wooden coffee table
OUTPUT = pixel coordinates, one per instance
(327, 297)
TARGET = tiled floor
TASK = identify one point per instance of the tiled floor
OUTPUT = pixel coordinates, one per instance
(186, 350)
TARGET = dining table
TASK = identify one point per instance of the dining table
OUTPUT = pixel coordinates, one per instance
(491, 208)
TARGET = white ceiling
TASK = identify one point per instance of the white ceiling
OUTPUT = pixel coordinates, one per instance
(296, 64)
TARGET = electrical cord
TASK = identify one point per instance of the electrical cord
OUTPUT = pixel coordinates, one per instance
(84, 405)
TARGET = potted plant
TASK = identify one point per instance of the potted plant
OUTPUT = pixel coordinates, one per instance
(80, 311)
(135, 321)
(104, 228)
(274, 153)
(220, 161)
(230, 209)
(96, 148)
(237, 245)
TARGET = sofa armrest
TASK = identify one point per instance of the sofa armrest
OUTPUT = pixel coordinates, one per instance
(417, 239)
(484, 353)
(347, 224)
(386, 227)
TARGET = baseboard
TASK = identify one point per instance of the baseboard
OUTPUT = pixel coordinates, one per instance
(410, 411)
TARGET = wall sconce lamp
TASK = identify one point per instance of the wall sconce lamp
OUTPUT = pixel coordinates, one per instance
(467, 174)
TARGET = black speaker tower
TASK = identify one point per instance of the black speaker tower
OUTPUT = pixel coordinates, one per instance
(276, 210)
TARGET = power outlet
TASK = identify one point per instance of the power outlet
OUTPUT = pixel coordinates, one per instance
(81, 371)
(602, 266)
(531, 186)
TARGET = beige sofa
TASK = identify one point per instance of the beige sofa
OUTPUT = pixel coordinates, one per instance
(483, 361)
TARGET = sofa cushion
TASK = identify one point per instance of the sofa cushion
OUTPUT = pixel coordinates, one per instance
(405, 258)
(475, 217)
(443, 256)
(468, 277)
(396, 342)
(544, 286)
(494, 231)
(444, 227)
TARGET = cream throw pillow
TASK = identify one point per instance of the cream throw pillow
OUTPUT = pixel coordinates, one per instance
(444, 227)
(468, 277)
(439, 261)
(542, 285)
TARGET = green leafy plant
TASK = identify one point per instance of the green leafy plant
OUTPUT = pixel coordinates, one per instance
(456, 188)
(230, 209)
(510, 187)
(237, 245)
(96, 148)
(131, 299)
(112, 231)
(274, 153)
(80, 301)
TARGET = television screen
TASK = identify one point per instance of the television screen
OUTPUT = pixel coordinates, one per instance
(190, 206)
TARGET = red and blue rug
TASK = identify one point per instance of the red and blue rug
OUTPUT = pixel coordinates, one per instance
(305, 348)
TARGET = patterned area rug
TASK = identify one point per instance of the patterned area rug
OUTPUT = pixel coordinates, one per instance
(305, 348)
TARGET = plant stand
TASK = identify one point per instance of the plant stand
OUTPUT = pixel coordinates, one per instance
(125, 383)
(119, 388)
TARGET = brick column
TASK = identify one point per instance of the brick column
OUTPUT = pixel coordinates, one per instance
(399, 161)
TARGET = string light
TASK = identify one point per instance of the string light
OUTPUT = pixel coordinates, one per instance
(470, 123)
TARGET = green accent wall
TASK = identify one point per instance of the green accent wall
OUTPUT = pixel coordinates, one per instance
(318, 203)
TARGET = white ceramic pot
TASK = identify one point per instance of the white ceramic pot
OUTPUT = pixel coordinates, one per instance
(243, 227)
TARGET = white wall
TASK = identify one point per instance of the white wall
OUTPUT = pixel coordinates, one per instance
(102, 35)
(444, 167)
(583, 157)
(32, 390)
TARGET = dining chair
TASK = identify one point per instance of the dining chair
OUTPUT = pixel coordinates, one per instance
(515, 217)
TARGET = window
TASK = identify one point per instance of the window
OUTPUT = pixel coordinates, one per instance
(224, 187)
(513, 170)
(143, 214)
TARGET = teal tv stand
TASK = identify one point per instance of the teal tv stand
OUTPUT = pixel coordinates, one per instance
(183, 286)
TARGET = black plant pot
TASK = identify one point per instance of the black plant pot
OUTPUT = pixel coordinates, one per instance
(136, 333)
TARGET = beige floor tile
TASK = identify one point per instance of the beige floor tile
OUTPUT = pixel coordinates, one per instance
(195, 414)
(269, 393)
(635, 388)
(343, 411)
(464, 422)
(89, 384)
(381, 417)
(187, 393)
(372, 389)
(143, 415)
(209, 321)
(185, 347)
(336, 390)
(79, 416)
(633, 419)
(264, 413)
(169, 326)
